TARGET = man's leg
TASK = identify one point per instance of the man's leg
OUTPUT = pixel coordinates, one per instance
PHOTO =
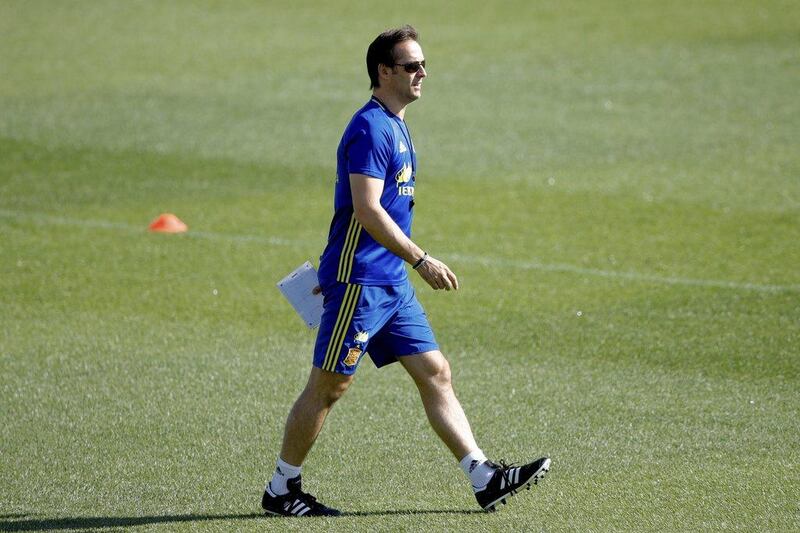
(431, 373)
(309, 412)
(492, 483)
(283, 494)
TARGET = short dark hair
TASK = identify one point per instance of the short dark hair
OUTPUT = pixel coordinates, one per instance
(381, 51)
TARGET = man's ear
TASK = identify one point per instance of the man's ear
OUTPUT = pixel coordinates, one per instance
(384, 71)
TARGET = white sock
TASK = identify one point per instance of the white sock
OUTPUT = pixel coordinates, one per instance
(283, 473)
(475, 467)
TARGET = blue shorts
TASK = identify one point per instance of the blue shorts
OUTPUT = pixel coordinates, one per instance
(384, 321)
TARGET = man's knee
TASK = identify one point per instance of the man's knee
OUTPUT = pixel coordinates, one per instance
(327, 387)
(440, 376)
(335, 390)
(429, 369)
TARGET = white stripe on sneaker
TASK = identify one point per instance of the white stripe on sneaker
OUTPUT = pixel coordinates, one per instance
(304, 511)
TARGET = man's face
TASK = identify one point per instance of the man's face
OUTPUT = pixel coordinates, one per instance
(407, 85)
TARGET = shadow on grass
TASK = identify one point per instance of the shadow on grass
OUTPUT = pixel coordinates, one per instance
(97, 522)
(412, 512)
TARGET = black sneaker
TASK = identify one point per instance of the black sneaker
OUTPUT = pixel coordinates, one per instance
(507, 480)
(295, 502)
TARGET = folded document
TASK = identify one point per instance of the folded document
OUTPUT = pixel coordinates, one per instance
(298, 287)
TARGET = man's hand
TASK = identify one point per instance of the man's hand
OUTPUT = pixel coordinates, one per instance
(437, 274)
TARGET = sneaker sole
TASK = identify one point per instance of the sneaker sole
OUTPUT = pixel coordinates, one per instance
(539, 474)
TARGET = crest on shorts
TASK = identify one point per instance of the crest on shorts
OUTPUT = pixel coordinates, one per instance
(352, 356)
(361, 336)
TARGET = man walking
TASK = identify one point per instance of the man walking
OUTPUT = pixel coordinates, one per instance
(369, 304)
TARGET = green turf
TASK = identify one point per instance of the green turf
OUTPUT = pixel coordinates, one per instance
(614, 182)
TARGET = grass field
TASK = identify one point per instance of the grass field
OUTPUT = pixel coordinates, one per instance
(616, 184)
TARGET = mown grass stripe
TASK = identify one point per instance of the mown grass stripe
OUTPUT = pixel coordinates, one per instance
(500, 262)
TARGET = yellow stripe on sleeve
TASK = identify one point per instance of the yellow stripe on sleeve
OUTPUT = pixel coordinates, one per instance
(349, 250)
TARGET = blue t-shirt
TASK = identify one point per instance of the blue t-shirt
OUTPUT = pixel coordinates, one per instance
(378, 144)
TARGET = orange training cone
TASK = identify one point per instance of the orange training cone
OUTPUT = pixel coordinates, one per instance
(168, 223)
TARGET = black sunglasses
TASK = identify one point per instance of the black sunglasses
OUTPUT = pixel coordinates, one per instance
(413, 67)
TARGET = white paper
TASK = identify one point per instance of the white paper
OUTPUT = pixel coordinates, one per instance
(297, 287)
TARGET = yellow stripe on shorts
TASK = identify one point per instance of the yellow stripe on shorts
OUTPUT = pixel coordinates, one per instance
(349, 250)
(346, 311)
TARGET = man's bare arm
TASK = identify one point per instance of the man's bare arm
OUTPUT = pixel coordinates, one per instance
(366, 192)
